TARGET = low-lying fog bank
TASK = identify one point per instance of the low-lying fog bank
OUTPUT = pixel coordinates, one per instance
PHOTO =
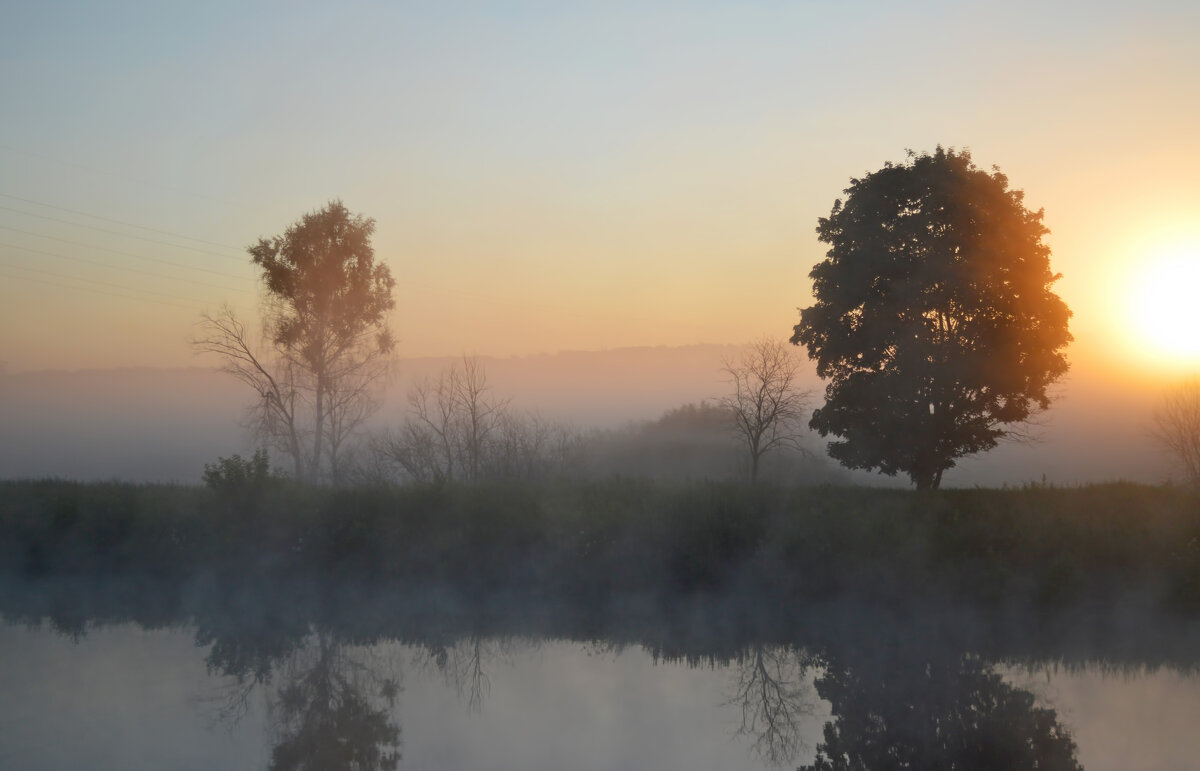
(163, 425)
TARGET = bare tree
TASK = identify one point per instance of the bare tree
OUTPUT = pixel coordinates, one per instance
(458, 429)
(480, 414)
(328, 343)
(453, 421)
(1177, 425)
(273, 416)
(426, 448)
(767, 407)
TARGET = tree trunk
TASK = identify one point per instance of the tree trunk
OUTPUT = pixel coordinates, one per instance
(318, 430)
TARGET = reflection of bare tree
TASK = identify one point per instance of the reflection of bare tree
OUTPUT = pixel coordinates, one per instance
(462, 664)
(248, 655)
(773, 691)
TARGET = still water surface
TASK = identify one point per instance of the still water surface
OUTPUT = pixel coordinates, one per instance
(112, 694)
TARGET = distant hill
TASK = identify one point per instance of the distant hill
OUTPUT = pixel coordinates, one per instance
(147, 424)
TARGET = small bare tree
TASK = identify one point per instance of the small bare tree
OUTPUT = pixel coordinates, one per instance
(481, 415)
(1177, 425)
(458, 430)
(426, 447)
(767, 407)
(273, 415)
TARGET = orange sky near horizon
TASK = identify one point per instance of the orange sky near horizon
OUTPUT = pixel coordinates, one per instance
(574, 179)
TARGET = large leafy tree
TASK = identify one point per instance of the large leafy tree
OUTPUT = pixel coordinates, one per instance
(934, 320)
(327, 338)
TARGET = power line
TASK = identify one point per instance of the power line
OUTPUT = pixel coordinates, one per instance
(97, 281)
(115, 267)
(119, 222)
(85, 288)
(118, 233)
(118, 251)
(104, 172)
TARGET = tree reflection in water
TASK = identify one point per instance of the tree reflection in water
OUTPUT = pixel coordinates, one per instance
(908, 707)
(463, 663)
(904, 691)
(329, 705)
(772, 688)
(332, 710)
(934, 713)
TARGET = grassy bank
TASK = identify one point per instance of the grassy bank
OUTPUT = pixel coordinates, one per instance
(1038, 546)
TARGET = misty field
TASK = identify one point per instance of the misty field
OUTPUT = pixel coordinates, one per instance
(1041, 547)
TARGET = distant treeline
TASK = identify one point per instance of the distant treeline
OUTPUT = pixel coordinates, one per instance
(1034, 547)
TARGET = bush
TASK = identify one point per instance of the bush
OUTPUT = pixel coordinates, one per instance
(234, 475)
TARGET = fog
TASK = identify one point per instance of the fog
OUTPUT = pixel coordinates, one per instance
(163, 425)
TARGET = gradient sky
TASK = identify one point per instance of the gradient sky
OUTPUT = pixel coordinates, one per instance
(565, 175)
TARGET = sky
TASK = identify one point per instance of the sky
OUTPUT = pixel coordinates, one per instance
(573, 176)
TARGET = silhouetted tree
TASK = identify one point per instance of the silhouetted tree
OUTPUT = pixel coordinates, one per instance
(934, 317)
(1177, 426)
(766, 407)
(325, 312)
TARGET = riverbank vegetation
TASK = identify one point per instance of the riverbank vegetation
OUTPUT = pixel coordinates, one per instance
(1034, 546)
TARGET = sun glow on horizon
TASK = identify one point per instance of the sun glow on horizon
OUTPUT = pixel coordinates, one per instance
(1165, 306)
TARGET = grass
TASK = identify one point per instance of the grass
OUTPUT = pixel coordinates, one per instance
(1041, 547)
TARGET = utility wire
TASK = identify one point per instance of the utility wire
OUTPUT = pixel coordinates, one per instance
(119, 233)
(127, 177)
(85, 288)
(118, 222)
(116, 267)
(118, 251)
(97, 281)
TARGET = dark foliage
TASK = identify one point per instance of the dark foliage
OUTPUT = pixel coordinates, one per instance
(1043, 548)
(934, 318)
(235, 474)
(934, 712)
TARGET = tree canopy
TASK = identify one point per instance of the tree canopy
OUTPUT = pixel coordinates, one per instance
(326, 293)
(934, 320)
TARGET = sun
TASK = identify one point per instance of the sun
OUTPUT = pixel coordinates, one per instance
(1166, 306)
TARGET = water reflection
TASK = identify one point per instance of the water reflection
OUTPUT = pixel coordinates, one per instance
(773, 690)
(329, 704)
(463, 664)
(332, 710)
(861, 688)
(892, 711)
